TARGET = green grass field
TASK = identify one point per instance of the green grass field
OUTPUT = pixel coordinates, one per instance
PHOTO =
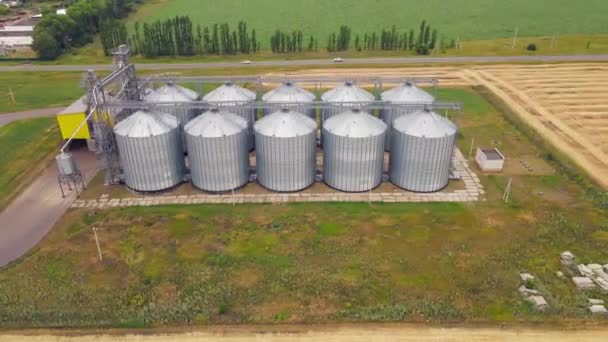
(467, 19)
(33, 90)
(320, 262)
(25, 147)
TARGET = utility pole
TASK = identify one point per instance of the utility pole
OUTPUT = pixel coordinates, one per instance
(515, 37)
(233, 199)
(507, 193)
(97, 242)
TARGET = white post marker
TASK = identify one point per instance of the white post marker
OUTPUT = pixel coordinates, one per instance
(471, 147)
(97, 242)
(12, 97)
(507, 193)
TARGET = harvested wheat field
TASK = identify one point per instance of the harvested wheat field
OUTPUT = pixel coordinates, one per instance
(567, 104)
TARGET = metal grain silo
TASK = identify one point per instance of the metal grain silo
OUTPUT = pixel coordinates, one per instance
(285, 151)
(345, 95)
(407, 94)
(421, 151)
(218, 150)
(150, 150)
(353, 151)
(237, 100)
(171, 92)
(289, 92)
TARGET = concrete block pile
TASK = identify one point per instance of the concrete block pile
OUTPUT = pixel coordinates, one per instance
(588, 277)
(532, 295)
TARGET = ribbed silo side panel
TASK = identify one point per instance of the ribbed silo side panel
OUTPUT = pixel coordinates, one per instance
(249, 114)
(352, 164)
(420, 164)
(286, 164)
(390, 114)
(152, 163)
(219, 164)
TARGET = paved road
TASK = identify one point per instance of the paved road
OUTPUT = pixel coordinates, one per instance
(310, 62)
(36, 113)
(33, 213)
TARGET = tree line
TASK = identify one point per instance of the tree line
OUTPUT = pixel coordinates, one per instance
(281, 42)
(423, 42)
(54, 34)
(178, 37)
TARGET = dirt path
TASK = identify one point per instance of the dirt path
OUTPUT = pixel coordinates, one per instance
(19, 229)
(347, 333)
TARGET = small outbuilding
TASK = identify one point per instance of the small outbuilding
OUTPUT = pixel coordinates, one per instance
(490, 159)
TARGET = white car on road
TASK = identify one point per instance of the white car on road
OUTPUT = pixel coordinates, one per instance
(338, 60)
(246, 62)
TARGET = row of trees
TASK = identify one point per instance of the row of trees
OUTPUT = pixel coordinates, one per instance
(425, 41)
(55, 34)
(281, 42)
(177, 37)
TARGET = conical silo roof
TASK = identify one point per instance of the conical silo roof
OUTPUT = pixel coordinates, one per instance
(407, 93)
(216, 124)
(143, 124)
(425, 124)
(289, 92)
(347, 92)
(355, 124)
(285, 124)
(171, 92)
(229, 92)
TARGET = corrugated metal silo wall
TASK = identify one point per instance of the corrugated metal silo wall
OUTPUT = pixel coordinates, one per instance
(352, 164)
(219, 164)
(248, 113)
(182, 114)
(286, 164)
(420, 164)
(388, 115)
(152, 163)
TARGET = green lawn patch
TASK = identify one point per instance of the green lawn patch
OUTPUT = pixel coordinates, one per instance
(25, 149)
(33, 90)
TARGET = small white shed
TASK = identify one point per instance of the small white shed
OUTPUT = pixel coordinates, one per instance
(490, 159)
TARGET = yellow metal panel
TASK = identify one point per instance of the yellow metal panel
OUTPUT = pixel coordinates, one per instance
(68, 123)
